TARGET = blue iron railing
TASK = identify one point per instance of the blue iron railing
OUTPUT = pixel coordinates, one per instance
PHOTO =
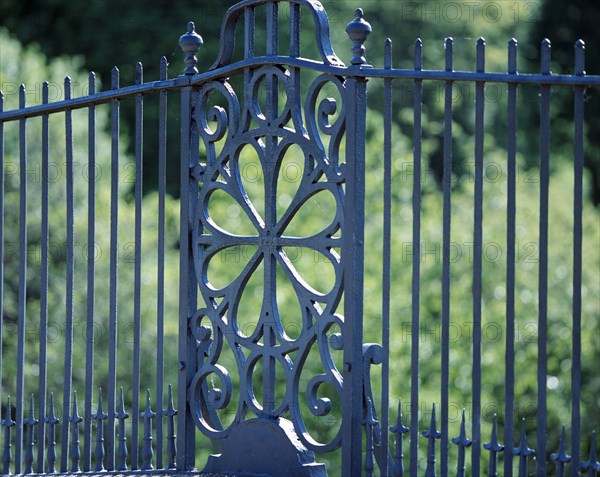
(248, 380)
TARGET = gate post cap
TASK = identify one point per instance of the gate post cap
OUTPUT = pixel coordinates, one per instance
(190, 43)
(358, 30)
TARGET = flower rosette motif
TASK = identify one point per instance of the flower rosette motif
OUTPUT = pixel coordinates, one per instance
(269, 133)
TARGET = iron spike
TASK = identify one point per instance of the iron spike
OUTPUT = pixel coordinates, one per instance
(462, 441)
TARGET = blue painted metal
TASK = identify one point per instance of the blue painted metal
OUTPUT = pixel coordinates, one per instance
(432, 435)
(7, 423)
(494, 447)
(22, 285)
(370, 423)
(399, 430)
(171, 412)
(147, 451)
(462, 441)
(591, 466)
(416, 263)
(100, 416)
(524, 452)
(160, 293)
(446, 237)
(70, 283)
(137, 281)
(511, 213)
(561, 457)
(29, 424)
(578, 147)
(542, 364)
(114, 268)
(74, 421)
(89, 333)
(51, 421)
(43, 337)
(269, 112)
(217, 321)
(122, 449)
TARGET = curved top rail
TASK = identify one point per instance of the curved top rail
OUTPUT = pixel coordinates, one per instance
(246, 8)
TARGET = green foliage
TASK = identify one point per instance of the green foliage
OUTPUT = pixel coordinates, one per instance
(110, 32)
(130, 33)
(18, 62)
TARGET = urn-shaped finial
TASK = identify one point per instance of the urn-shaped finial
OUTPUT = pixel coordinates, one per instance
(358, 30)
(190, 43)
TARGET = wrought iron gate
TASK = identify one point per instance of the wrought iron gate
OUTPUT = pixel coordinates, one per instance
(274, 168)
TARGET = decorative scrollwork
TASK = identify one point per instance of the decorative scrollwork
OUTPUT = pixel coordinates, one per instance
(270, 129)
(233, 15)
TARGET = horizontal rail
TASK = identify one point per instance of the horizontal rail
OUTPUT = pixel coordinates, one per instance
(355, 71)
(94, 99)
(369, 72)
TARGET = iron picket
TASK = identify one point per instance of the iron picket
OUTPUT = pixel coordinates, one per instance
(35, 449)
(43, 336)
(91, 268)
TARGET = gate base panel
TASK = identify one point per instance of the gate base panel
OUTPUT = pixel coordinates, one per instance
(265, 447)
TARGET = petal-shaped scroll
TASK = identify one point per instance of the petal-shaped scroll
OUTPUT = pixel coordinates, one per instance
(266, 243)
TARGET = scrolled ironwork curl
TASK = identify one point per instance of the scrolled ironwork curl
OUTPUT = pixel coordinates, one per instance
(318, 115)
(268, 130)
(205, 402)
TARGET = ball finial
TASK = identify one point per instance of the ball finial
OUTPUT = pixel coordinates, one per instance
(358, 30)
(190, 43)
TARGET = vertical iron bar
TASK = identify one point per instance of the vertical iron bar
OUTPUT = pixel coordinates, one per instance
(68, 337)
(370, 423)
(187, 289)
(160, 318)
(416, 263)
(511, 212)
(523, 451)
(1, 237)
(43, 285)
(114, 261)
(271, 103)
(494, 447)
(248, 32)
(432, 434)
(591, 467)
(147, 452)
(447, 187)
(386, 293)
(462, 441)
(122, 449)
(51, 421)
(22, 284)
(91, 232)
(353, 247)
(7, 423)
(137, 326)
(561, 457)
(543, 264)
(249, 27)
(100, 416)
(74, 420)
(477, 259)
(399, 429)
(294, 30)
(272, 29)
(170, 412)
(29, 423)
(577, 259)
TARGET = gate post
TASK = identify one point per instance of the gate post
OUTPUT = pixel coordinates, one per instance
(353, 246)
(188, 290)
